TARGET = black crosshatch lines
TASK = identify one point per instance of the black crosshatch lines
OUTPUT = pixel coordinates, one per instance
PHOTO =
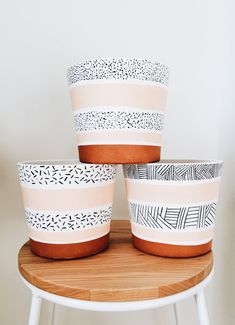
(170, 172)
(190, 217)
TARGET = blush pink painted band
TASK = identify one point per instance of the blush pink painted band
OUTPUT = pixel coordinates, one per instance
(68, 237)
(119, 137)
(67, 199)
(139, 96)
(162, 193)
(174, 237)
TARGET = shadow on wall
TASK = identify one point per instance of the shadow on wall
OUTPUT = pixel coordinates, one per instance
(120, 211)
(224, 243)
(10, 194)
(13, 233)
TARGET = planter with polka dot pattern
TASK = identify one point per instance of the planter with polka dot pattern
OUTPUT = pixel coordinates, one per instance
(118, 106)
(68, 207)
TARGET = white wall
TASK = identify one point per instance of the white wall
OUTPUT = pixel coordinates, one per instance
(38, 40)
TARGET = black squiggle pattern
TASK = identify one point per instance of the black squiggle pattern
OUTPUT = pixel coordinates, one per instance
(67, 221)
(169, 218)
(170, 172)
(118, 68)
(118, 120)
(65, 174)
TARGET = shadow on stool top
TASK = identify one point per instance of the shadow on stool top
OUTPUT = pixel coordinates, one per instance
(121, 273)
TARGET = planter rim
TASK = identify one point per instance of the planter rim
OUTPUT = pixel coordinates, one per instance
(117, 58)
(116, 69)
(184, 162)
(59, 162)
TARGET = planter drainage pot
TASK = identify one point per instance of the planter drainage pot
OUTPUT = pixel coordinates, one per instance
(118, 106)
(68, 207)
(173, 205)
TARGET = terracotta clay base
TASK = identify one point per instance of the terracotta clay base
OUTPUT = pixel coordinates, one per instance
(119, 154)
(69, 251)
(166, 250)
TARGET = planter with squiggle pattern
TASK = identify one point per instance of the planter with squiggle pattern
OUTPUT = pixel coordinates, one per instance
(172, 206)
(68, 206)
(118, 106)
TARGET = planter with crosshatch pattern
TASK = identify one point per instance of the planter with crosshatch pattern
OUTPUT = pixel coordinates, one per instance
(172, 206)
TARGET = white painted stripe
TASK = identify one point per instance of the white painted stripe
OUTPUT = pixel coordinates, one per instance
(169, 231)
(171, 182)
(66, 186)
(60, 212)
(137, 143)
(117, 108)
(183, 243)
(117, 81)
(120, 130)
(67, 242)
(173, 236)
(173, 205)
(100, 233)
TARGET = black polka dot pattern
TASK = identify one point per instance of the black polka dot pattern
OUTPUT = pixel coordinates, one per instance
(53, 221)
(118, 69)
(79, 174)
(117, 120)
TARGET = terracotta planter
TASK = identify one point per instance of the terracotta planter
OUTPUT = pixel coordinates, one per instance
(172, 206)
(68, 207)
(118, 106)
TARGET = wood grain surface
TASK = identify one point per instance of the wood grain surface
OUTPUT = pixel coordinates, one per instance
(120, 273)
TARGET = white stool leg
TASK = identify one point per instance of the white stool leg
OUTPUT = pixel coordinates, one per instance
(177, 314)
(35, 310)
(201, 308)
(53, 315)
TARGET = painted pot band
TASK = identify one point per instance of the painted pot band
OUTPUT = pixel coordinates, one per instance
(118, 69)
(111, 127)
(119, 137)
(108, 126)
(67, 237)
(55, 176)
(178, 237)
(179, 225)
(173, 218)
(69, 220)
(106, 120)
(170, 172)
(173, 193)
(67, 199)
(119, 95)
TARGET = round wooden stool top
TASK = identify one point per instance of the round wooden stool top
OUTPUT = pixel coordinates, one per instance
(121, 273)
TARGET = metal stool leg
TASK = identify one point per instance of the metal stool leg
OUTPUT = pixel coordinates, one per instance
(177, 314)
(35, 310)
(201, 308)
